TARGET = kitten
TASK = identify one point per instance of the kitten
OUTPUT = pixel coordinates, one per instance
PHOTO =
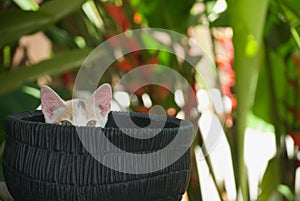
(79, 112)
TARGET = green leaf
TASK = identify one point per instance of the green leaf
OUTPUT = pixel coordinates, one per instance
(27, 4)
(251, 46)
(277, 33)
(222, 20)
(261, 108)
(60, 63)
(21, 23)
(270, 182)
(272, 90)
(60, 37)
(61, 8)
(245, 24)
(286, 191)
(16, 23)
(291, 9)
(92, 13)
(15, 101)
(167, 14)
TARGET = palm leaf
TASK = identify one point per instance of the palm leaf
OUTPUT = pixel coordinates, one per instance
(16, 23)
(60, 63)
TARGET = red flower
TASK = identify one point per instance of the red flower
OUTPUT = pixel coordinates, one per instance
(124, 65)
(117, 13)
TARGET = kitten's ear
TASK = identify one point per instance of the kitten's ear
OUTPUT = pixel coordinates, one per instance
(101, 99)
(51, 103)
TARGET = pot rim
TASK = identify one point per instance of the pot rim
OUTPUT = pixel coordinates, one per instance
(23, 117)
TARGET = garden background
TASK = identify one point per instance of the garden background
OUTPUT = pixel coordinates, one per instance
(254, 45)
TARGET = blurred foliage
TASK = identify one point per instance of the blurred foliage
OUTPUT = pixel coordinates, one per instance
(266, 47)
(247, 41)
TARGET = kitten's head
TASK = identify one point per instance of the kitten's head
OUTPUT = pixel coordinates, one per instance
(78, 112)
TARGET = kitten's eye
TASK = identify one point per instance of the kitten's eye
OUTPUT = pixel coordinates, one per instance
(65, 123)
(91, 123)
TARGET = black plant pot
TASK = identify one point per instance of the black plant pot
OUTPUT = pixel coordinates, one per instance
(47, 162)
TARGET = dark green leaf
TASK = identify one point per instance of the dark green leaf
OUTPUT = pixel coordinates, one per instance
(167, 14)
(222, 20)
(271, 93)
(60, 63)
(21, 23)
(15, 101)
(60, 37)
(61, 8)
(16, 23)
(278, 34)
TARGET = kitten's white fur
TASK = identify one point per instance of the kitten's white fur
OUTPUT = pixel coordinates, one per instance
(78, 112)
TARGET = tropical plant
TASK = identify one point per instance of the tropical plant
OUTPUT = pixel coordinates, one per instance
(266, 63)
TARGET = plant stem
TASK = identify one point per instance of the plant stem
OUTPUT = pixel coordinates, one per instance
(283, 3)
(210, 168)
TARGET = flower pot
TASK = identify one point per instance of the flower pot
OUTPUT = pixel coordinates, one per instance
(48, 162)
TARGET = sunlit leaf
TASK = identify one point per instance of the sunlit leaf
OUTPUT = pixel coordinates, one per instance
(27, 4)
(80, 42)
(270, 182)
(6, 56)
(286, 191)
(251, 46)
(92, 13)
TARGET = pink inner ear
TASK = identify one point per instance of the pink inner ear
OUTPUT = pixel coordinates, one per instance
(50, 102)
(102, 98)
